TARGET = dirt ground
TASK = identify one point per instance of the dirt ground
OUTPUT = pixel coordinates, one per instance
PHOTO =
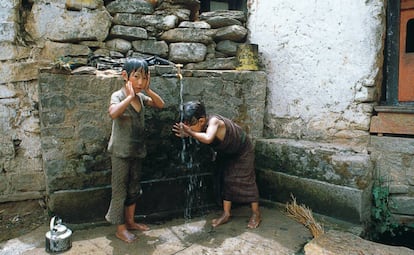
(19, 218)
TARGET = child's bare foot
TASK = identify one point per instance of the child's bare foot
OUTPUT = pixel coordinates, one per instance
(126, 236)
(222, 220)
(254, 221)
(137, 226)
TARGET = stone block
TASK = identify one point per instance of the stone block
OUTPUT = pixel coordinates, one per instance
(187, 52)
(128, 33)
(8, 31)
(28, 182)
(398, 189)
(336, 201)
(204, 36)
(6, 92)
(336, 242)
(159, 48)
(82, 25)
(9, 51)
(392, 144)
(80, 4)
(402, 205)
(236, 33)
(141, 7)
(24, 71)
(53, 51)
(327, 162)
(75, 206)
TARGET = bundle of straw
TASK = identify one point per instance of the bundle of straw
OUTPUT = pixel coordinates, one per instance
(303, 214)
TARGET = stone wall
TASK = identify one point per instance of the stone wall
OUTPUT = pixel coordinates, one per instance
(75, 129)
(21, 172)
(119, 29)
(32, 37)
(394, 157)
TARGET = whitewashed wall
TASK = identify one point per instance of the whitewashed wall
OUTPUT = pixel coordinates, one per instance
(324, 64)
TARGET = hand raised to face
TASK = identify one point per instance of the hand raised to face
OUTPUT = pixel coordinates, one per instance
(129, 89)
(181, 130)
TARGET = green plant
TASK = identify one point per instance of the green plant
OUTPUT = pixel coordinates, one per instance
(381, 218)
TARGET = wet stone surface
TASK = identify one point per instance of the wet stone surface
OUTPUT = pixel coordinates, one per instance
(277, 234)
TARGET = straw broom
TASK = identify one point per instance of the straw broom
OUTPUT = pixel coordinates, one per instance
(303, 214)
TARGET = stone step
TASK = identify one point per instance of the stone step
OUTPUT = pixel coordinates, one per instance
(335, 242)
(331, 179)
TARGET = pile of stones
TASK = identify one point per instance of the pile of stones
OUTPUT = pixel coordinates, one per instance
(174, 31)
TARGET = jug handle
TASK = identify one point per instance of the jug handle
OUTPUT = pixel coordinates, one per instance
(54, 221)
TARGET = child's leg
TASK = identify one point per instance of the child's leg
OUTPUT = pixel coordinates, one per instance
(116, 211)
(225, 216)
(134, 191)
(130, 219)
(119, 178)
(255, 219)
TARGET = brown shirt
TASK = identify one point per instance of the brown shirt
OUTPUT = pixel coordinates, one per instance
(128, 134)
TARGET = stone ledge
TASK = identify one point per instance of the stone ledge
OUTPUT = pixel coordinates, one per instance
(336, 201)
(336, 242)
(328, 162)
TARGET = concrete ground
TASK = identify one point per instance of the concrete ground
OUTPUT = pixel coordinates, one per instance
(277, 234)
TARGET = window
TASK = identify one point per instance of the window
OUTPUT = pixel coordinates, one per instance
(409, 40)
(398, 87)
(210, 5)
(395, 114)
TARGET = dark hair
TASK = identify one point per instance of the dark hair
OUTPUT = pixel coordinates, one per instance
(135, 64)
(192, 111)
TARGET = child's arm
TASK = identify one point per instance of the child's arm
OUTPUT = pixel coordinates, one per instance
(182, 130)
(116, 110)
(155, 101)
(208, 136)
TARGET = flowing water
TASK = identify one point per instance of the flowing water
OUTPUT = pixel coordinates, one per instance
(195, 184)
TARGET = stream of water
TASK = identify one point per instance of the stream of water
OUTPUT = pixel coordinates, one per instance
(195, 182)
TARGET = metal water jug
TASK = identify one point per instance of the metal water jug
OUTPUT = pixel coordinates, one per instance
(59, 238)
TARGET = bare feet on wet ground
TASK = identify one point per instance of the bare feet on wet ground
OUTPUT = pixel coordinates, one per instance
(254, 220)
(224, 218)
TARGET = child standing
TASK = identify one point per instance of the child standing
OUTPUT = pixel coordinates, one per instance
(127, 145)
(235, 153)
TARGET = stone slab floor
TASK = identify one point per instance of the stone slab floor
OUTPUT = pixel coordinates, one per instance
(277, 234)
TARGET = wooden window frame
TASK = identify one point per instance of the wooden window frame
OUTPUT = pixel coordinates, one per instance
(389, 96)
(392, 116)
(233, 4)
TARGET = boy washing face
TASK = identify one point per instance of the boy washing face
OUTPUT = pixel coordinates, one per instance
(235, 157)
